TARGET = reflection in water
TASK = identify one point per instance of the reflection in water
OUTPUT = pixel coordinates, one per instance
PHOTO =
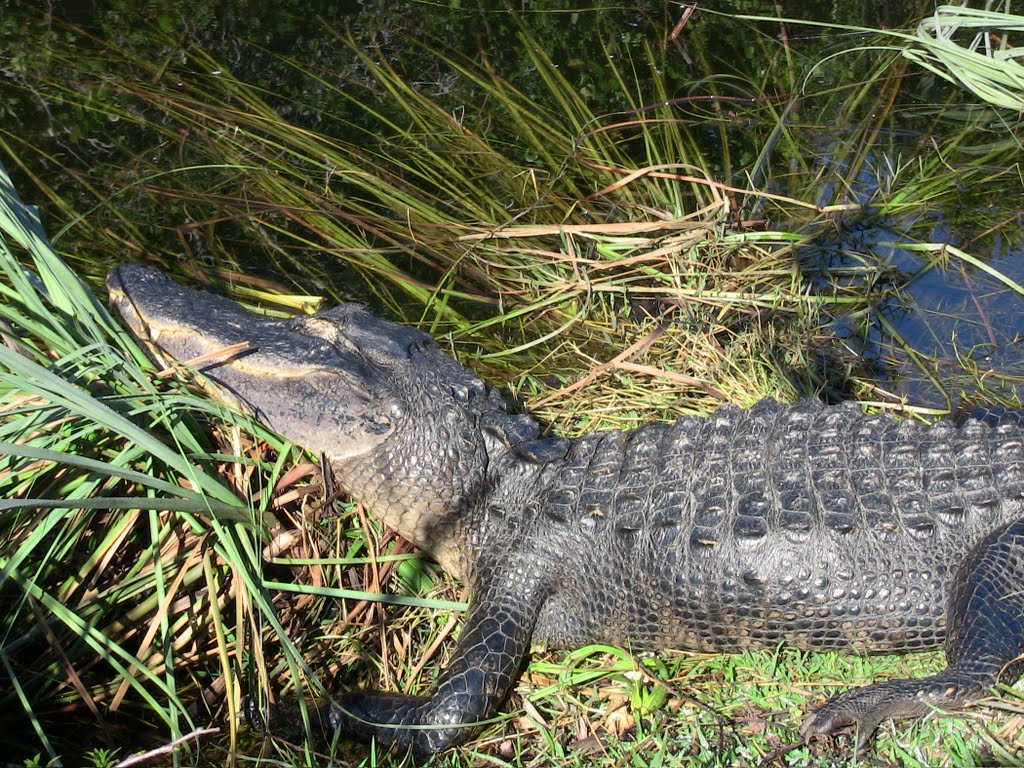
(938, 321)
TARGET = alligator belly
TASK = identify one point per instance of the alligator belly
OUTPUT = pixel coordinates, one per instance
(870, 612)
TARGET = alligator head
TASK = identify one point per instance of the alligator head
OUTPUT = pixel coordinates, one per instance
(398, 419)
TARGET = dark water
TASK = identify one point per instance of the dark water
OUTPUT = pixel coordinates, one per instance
(946, 332)
(934, 322)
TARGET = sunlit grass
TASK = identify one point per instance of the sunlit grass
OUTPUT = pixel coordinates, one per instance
(976, 49)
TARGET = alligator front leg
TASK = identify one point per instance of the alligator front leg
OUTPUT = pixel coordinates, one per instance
(494, 641)
(985, 640)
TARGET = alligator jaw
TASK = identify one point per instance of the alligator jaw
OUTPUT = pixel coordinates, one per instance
(300, 377)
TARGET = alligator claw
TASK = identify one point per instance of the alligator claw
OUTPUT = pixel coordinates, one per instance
(841, 713)
(251, 714)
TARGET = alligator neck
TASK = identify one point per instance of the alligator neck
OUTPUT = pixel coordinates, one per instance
(436, 482)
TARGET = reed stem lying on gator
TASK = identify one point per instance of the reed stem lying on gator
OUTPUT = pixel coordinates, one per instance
(818, 527)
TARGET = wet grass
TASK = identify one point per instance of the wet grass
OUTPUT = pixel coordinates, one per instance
(163, 556)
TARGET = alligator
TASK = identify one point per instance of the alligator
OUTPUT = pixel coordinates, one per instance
(814, 526)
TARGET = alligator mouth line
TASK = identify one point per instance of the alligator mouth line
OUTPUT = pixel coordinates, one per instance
(150, 335)
(225, 355)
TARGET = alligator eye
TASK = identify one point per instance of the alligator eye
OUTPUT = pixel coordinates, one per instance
(344, 343)
(422, 346)
(322, 328)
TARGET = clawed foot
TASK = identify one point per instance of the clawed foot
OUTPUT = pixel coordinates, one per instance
(865, 709)
(840, 713)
